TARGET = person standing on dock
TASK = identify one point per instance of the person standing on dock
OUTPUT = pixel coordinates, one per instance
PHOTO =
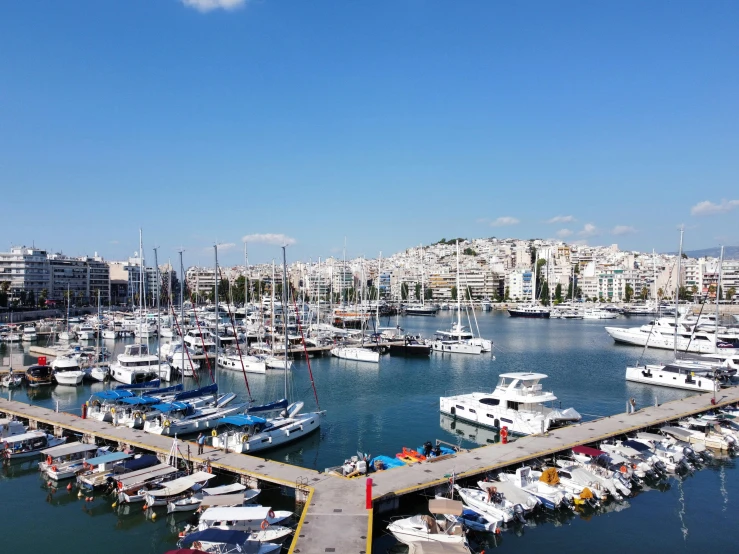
(632, 404)
(201, 443)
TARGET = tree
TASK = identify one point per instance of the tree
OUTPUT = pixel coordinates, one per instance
(569, 289)
(644, 293)
(454, 293)
(578, 292)
(533, 255)
(467, 293)
(545, 293)
(31, 298)
(507, 294)
(428, 294)
(404, 291)
(694, 290)
(42, 298)
(682, 293)
(469, 252)
(558, 293)
(628, 292)
(660, 293)
(711, 290)
(730, 293)
(22, 298)
(418, 291)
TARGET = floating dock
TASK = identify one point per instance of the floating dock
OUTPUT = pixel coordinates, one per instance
(335, 518)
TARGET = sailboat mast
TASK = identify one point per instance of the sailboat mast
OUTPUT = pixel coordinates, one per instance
(246, 283)
(159, 312)
(459, 302)
(272, 304)
(218, 317)
(377, 288)
(141, 277)
(718, 290)
(182, 318)
(284, 307)
(677, 288)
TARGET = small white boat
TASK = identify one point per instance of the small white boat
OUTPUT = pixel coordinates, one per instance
(28, 445)
(99, 372)
(29, 333)
(436, 528)
(494, 506)
(184, 505)
(11, 380)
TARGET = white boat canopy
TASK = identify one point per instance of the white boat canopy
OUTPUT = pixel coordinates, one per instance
(68, 449)
(178, 486)
(128, 479)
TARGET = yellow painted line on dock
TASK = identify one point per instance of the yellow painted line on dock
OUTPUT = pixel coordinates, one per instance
(296, 535)
(370, 523)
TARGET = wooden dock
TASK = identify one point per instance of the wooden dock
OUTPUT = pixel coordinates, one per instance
(335, 518)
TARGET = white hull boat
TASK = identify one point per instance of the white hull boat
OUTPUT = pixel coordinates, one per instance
(665, 376)
(356, 354)
(456, 347)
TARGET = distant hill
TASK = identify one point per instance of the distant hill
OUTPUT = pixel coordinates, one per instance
(730, 252)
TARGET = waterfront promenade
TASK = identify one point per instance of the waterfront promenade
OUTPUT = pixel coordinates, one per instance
(335, 518)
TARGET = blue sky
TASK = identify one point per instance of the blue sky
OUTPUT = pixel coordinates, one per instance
(391, 123)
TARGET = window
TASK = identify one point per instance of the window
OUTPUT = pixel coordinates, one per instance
(460, 407)
(472, 411)
(506, 420)
(490, 401)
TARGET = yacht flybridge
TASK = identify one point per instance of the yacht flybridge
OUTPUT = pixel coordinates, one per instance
(518, 403)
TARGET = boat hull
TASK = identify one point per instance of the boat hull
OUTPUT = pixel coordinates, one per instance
(653, 375)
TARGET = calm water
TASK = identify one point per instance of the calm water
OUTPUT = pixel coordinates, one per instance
(381, 408)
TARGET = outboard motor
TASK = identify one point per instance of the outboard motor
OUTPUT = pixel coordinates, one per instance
(518, 513)
(427, 448)
(691, 455)
(437, 450)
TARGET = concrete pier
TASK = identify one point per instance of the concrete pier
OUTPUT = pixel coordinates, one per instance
(335, 518)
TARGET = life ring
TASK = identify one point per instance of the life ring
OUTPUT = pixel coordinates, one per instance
(137, 415)
(166, 423)
(214, 433)
(271, 514)
(244, 438)
(264, 525)
(48, 460)
(53, 468)
(623, 469)
(112, 410)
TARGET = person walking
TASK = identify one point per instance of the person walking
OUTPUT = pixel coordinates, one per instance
(201, 443)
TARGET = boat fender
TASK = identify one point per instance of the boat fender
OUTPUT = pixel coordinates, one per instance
(120, 485)
(53, 468)
(166, 423)
(271, 514)
(504, 433)
(214, 433)
(48, 460)
(112, 410)
(264, 525)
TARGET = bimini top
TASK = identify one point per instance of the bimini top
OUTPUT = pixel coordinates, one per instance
(240, 420)
(68, 449)
(523, 375)
(140, 400)
(236, 513)
(194, 393)
(113, 394)
(178, 486)
(107, 458)
(587, 451)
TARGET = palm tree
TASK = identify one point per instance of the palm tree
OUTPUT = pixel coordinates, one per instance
(660, 293)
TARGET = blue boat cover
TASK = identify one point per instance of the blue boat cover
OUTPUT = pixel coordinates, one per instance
(140, 400)
(113, 394)
(240, 420)
(278, 405)
(107, 458)
(216, 535)
(387, 462)
(134, 464)
(166, 407)
(194, 393)
(444, 451)
(148, 385)
(173, 388)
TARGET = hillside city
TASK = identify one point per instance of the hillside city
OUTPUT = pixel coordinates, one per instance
(489, 268)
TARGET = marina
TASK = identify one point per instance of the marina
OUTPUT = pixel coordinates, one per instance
(316, 529)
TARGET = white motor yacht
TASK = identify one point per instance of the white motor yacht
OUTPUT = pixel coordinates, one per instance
(29, 333)
(518, 403)
(234, 362)
(198, 339)
(456, 347)
(431, 528)
(67, 371)
(682, 375)
(137, 365)
(86, 332)
(597, 313)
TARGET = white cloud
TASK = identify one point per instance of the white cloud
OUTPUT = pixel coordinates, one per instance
(269, 238)
(210, 5)
(564, 233)
(623, 230)
(226, 246)
(588, 230)
(709, 208)
(561, 219)
(503, 221)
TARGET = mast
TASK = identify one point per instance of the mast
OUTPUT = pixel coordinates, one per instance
(218, 337)
(677, 288)
(718, 288)
(377, 288)
(272, 304)
(246, 283)
(182, 319)
(159, 313)
(141, 277)
(320, 281)
(284, 304)
(459, 303)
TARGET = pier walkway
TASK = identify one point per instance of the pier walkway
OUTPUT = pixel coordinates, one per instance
(335, 518)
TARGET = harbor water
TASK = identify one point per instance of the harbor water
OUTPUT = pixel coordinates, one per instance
(378, 409)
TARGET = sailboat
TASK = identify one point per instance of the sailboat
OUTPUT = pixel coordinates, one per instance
(456, 341)
(697, 375)
(66, 335)
(249, 433)
(531, 310)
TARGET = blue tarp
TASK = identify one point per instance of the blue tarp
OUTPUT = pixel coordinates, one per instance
(387, 462)
(444, 451)
(173, 388)
(240, 420)
(140, 400)
(194, 393)
(113, 394)
(148, 385)
(278, 405)
(107, 458)
(216, 535)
